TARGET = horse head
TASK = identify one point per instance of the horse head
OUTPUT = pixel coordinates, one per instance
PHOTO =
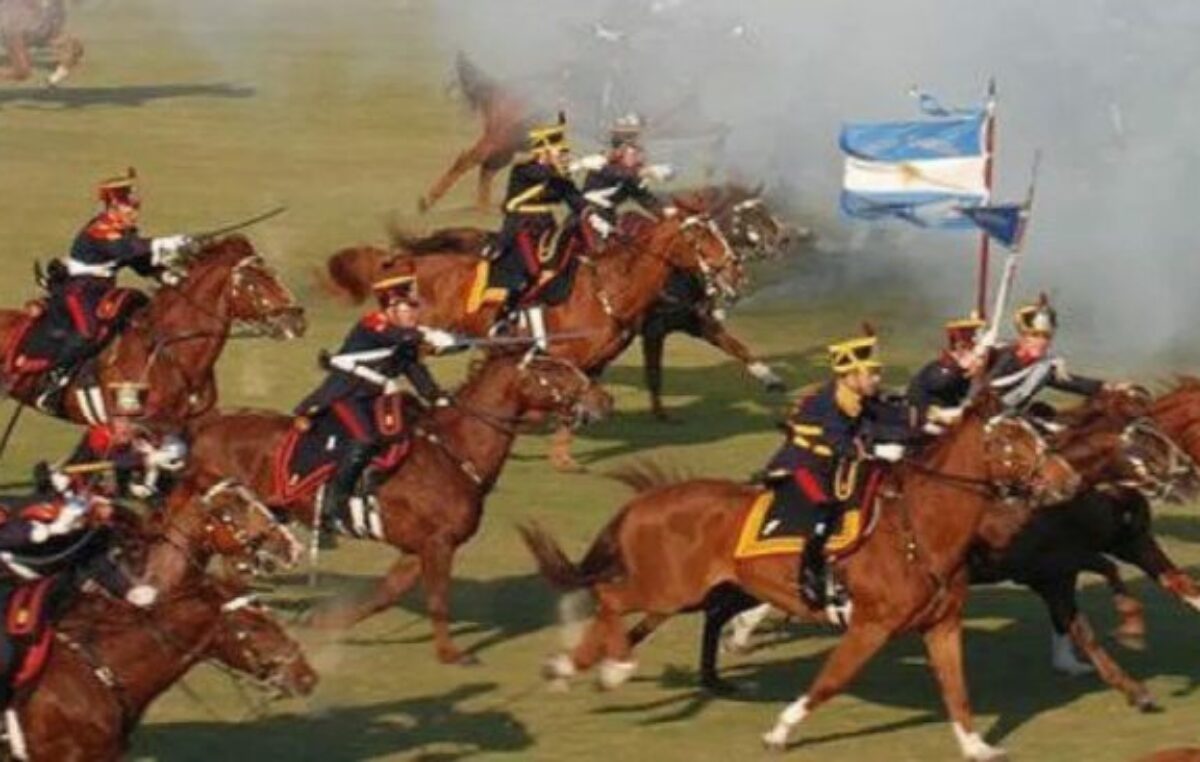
(553, 385)
(258, 300)
(1153, 464)
(751, 226)
(238, 526)
(1016, 460)
(249, 640)
(697, 245)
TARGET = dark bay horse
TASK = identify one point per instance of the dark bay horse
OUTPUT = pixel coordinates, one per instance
(504, 117)
(610, 297)
(29, 24)
(434, 502)
(668, 548)
(109, 661)
(174, 342)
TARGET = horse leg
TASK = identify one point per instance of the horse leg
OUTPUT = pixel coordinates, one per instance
(862, 641)
(645, 628)
(1131, 632)
(943, 641)
(654, 340)
(714, 332)
(437, 558)
(68, 51)
(469, 158)
(483, 196)
(744, 626)
(1059, 595)
(20, 62)
(1148, 555)
(560, 451)
(725, 603)
(386, 593)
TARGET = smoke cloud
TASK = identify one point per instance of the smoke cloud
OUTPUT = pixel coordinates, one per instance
(1107, 89)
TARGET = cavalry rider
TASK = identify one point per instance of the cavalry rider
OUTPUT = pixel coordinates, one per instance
(940, 389)
(828, 434)
(1019, 371)
(381, 348)
(537, 187)
(622, 175)
(50, 547)
(139, 460)
(108, 242)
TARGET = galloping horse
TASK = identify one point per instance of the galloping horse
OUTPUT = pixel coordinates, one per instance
(27, 24)
(666, 550)
(224, 520)
(174, 342)
(504, 118)
(109, 661)
(607, 303)
(434, 502)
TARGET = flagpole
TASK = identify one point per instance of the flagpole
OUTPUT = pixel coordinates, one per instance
(985, 246)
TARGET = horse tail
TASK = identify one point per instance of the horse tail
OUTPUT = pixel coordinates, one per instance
(645, 474)
(444, 241)
(347, 274)
(601, 563)
(475, 86)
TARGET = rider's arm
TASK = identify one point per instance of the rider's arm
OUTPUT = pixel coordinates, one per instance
(1063, 381)
(641, 193)
(418, 373)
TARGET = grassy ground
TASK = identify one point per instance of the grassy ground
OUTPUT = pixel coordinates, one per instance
(342, 115)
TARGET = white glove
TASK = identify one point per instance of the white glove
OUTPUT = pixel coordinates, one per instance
(600, 225)
(170, 278)
(589, 163)
(442, 401)
(391, 386)
(71, 516)
(165, 250)
(60, 481)
(439, 339)
(142, 596)
(658, 172)
(670, 211)
(889, 452)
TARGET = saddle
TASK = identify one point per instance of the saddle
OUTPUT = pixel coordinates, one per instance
(778, 520)
(35, 345)
(308, 455)
(27, 633)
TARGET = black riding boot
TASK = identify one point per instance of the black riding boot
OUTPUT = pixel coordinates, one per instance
(335, 502)
(76, 351)
(812, 562)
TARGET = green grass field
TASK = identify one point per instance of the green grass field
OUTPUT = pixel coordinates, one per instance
(343, 117)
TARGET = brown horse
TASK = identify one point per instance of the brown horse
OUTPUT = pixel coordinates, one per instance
(434, 502)
(174, 342)
(29, 24)
(110, 661)
(672, 545)
(504, 118)
(225, 520)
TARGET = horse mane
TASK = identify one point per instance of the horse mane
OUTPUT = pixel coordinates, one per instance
(228, 249)
(644, 474)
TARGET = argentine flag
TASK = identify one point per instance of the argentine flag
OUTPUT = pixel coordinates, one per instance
(923, 172)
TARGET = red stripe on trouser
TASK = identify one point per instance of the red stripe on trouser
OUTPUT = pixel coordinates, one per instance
(528, 250)
(80, 317)
(810, 486)
(351, 421)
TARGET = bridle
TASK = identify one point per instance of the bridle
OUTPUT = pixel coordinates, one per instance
(1008, 463)
(265, 673)
(1164, 484)
(714, 284)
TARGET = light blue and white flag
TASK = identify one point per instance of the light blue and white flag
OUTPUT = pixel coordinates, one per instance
(923, 172)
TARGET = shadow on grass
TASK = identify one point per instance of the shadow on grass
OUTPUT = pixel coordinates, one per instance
(68, 97)
(428, 728)
(899, 676)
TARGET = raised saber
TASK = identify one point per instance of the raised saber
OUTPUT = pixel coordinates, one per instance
(208, 235)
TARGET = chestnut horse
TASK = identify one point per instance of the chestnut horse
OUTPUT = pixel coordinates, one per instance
(174, 342)
(504, 118)
(225, 520)
(29, 24)
(110, 661)
(610, 297)
(434, 502)
(666, 550)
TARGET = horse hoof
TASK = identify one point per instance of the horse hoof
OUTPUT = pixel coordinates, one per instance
(567, 465)
(1147, 705)
(614, 673)
(423, 204)
(774, 743)
(1131, 642)
(558, 667)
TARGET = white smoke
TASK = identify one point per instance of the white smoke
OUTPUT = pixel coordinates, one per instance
(1108, 90)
